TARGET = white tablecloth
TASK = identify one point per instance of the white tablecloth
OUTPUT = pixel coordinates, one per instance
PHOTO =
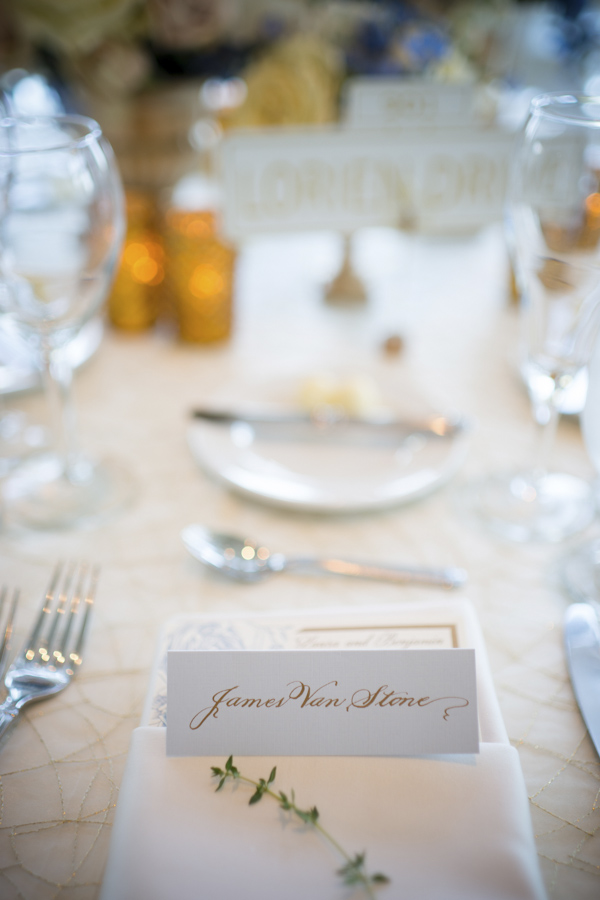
(62, 765)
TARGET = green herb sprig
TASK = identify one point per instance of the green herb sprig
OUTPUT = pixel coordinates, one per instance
(353, 872)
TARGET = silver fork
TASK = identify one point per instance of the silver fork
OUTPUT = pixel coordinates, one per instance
(52, 652)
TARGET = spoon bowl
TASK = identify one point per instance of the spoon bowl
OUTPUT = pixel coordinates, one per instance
(240, 559)
(244, 560)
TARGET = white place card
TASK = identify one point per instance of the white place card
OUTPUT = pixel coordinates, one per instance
(321, 703)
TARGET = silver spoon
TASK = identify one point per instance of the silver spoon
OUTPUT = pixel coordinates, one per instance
(245, 560)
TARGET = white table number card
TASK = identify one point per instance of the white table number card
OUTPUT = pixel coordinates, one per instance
(389, 102)
(321, 702)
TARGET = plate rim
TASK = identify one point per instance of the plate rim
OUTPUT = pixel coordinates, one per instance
(459, 445)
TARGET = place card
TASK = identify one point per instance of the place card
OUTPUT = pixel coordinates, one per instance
(346, 702)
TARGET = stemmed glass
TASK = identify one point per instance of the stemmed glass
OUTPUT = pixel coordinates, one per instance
(580, 568)
(61, 229)
(553, 223)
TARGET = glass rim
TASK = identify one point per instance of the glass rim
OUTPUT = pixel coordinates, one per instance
(567, 107)
(91, 132)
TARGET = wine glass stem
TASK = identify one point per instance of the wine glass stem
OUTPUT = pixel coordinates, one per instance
(57, 376)
(546, 423)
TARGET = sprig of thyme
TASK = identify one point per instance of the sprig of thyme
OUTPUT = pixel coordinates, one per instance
(353, 872)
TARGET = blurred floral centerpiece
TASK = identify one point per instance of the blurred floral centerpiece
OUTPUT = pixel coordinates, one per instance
(118, 48)
(136, 65)
(165, 77)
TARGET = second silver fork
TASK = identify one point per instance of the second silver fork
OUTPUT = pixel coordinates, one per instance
(8, 607)
(52, 652)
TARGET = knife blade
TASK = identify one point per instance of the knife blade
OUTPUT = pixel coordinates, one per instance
(582, 644)
(298, 426)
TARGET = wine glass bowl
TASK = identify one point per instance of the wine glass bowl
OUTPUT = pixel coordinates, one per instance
(553, 230)
(61, 226)
(61, 230)
(554, 208)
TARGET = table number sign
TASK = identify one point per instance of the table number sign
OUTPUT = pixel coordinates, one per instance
(389, 102)
(321, 703)
(348, 178)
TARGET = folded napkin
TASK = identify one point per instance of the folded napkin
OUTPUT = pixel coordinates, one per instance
(441, 828)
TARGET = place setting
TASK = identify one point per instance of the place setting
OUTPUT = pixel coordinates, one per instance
(210, 668)
(286, 609)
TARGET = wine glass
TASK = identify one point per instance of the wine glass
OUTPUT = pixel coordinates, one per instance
(553, 229)
(580, 568)
(61, 229)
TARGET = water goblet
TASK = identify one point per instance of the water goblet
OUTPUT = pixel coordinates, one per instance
(61, 229)
(553, 227)
(580, 567)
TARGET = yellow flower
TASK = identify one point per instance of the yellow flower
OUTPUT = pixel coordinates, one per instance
(295, 83)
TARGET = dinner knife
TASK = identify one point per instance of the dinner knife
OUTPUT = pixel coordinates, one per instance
(582, 643)
(334, 426)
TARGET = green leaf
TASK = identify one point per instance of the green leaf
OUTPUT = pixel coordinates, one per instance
(352, 871)
(256, 796)
(217, 771)
(349, 874)
(309, 816)
(272, 775)
(380, 878)
(229, 764)
(221, 783)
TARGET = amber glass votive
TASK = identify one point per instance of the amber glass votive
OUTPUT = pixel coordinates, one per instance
(201, 268)
(135, 298)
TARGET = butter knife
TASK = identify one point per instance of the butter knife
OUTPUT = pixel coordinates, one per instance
(298, 426)
(582, 644)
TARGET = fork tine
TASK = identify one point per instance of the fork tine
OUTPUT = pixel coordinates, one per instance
(73, 611)
(46, 610)
(88, 600)
(5, 640)
(62, 605)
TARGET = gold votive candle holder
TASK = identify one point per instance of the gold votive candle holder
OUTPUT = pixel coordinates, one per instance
(201, 268)
(135, 299)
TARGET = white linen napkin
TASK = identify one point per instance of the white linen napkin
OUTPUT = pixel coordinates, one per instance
(451, 828)
(441, 828)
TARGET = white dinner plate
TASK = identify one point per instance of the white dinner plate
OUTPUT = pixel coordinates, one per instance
(324, 477)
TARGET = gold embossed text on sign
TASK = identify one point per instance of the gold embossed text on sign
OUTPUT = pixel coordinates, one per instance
(349, 178)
